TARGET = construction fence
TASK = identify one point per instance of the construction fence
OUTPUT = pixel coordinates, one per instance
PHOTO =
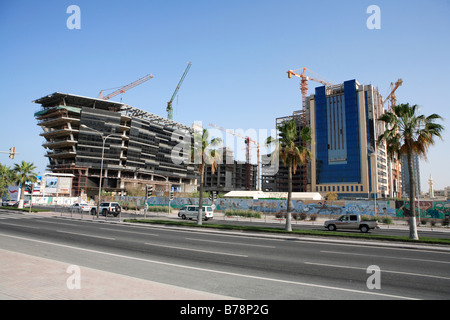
(393, 208)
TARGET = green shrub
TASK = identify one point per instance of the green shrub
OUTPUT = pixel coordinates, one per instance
(158, 209)
(243, 213)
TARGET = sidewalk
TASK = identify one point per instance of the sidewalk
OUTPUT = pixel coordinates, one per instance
(25, 277)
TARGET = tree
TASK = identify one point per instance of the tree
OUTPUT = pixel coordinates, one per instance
(24, 173)
(292, 154)
(7, 177)
(409, 133)
(203, 155)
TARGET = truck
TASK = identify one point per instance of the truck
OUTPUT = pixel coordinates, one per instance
(351, 221)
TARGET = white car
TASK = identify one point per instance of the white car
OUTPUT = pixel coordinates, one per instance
(191, 212)
(81, 207)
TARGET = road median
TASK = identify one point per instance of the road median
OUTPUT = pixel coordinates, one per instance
(318, 233)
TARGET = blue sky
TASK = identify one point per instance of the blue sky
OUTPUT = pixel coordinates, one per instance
(240, 52)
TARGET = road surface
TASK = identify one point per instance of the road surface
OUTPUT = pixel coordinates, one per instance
(230, 265)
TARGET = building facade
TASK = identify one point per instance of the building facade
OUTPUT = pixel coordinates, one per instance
(135, 145)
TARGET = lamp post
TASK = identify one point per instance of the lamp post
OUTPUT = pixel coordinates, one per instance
(101, 163)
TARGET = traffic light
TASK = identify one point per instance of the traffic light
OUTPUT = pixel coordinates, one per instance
(171, 195)
(12, 152)
(213, 196)
(149, 191)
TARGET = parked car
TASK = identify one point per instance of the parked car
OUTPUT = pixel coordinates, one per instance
(26, 204)
(351, 221)
(113, 208)
(81, 207)
(191, 212)
(8, 203)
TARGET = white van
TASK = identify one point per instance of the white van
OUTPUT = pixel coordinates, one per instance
(191, 212)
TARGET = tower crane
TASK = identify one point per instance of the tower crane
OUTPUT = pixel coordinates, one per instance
(248, 141)
(169, 104)
(304, 82)
(392, 96)
(125, 88)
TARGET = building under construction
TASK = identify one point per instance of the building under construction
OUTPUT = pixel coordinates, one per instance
(279, 181)
(137, 145)
(231, 175)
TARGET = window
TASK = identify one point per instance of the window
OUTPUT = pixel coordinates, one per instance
(353, 218)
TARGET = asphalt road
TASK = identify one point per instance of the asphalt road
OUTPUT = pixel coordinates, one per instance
(235, 265)
(318, 225)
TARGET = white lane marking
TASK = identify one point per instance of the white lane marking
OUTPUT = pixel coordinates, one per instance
(59, 223)
(19, 225)
(214, 271)
(387, 257)
(143, 233)
(85, 235)
(232, 243)
(196, 250)
(382, 270)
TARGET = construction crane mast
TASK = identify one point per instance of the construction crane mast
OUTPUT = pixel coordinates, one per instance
(394, 165)
(169, 104)
(391, 96)
(248, 141)
(125, 88)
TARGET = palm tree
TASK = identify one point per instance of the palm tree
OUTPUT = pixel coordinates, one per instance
(203, 155)
(292, 154)
(7, 177)
(409, 133)
(24, 173)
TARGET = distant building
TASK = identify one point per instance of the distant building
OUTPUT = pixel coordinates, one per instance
(279, 181)
(230, 175)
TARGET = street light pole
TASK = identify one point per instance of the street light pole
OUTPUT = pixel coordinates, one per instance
(168, 185)
(101, 163)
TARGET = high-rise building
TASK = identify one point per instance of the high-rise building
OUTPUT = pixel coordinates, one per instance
(344, 126)
(138, 148)
(343, 123)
